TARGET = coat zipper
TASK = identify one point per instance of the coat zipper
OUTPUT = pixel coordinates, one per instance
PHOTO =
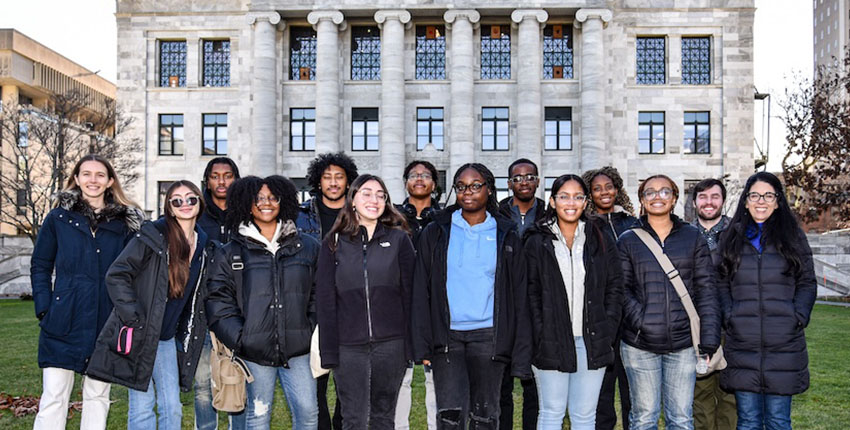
(761, 321)
(191, 324)
(276, 306)
(611, 223)
(366, 281)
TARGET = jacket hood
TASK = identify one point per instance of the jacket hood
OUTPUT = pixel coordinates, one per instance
(284, 232)
(444, 218)
(212, 209)
(71, 200)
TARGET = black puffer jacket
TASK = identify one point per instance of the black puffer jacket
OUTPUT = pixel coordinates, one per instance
(617, 222)
(415, 224)
(653, 316)
(765, 312)
(138, 285)
(363, 291)
(554, 343)
(272, 318)
(511, 321)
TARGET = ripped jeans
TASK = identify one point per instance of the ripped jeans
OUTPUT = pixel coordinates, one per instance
(299, 388)
(468, 382)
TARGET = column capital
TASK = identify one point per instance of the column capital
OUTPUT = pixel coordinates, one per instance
(333, 16)
(401, 15)
(519, 15)
(272, 17)
(584, 14)
(452, 15)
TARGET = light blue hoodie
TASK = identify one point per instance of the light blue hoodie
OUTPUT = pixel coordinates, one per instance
(471, 273)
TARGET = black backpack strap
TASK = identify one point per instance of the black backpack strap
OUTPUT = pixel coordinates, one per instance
(237, 265)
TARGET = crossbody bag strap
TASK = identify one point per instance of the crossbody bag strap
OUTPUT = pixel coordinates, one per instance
(673, 274)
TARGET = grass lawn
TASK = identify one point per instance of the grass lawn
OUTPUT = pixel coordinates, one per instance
(823, 406)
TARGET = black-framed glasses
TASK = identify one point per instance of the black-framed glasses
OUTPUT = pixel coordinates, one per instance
(473, 187)
(768, 197)
(178, 202)
(524, 178)
(272, 200)
(664, 193)
(422, 176)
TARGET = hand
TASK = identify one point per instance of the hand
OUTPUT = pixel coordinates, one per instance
(426, 362)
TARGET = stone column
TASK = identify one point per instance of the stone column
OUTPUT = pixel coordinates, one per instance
(594, 151)
(262, 150)
(462, 115)
(327, 24)
(392, 23)
(529, 71)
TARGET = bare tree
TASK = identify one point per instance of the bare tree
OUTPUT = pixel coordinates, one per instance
(815, 166)
(40, 146)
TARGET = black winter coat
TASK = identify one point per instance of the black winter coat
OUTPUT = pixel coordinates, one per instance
(765, 312)
(363, 291)
(506, 209)
(80, 246)
(138, 286)
(415, 224)
(511, 321)
(554, 342)
(212, 221)
(654, 318)
(272, 318)
(617, 223)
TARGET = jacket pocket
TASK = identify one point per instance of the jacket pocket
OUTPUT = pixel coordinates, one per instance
(60, 315)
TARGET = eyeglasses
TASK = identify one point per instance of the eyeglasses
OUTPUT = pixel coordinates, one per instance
(422, 176)
(474, 187)
(271, 200)
(368, 194)
(178, 202)
(524, 178)
(768, 197)
(664, 194)
(564, 197)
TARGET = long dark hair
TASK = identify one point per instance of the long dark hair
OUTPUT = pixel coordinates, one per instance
(347, 222)
(781, 229)
(489, 180)
(551, 214)
(242, 196)
(178, 246)
(114, 194)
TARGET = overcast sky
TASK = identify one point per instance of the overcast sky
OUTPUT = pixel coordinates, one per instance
(85, 32)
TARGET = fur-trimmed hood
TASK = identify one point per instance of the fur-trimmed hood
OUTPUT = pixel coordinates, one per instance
(70, 200)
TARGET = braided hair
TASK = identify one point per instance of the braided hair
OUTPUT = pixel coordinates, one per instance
(622, 198)
(489, 180)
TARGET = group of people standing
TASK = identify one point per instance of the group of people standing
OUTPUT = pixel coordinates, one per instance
(563, 294)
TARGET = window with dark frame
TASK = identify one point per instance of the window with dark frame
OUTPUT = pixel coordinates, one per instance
(302, 54)
(558, 129)
(651, 61)
(21, 202)
(215, 134)
(429, 128)
(502, 190)
(162, 189)
(495, 129)
(365, 54)
(697, 133)
(216, 63)
(364, 129)
(302, 129)
(696, 60)
(23, 134)
(496, 52)
(650, 132)
(547, 188)
(172, 63)
(430, 52)
(557, 51)
(170, 134)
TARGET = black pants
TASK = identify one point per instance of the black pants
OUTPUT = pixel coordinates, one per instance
(529, 402)
(368, 379)
(606, 416)
(322, 398)
(467, 382)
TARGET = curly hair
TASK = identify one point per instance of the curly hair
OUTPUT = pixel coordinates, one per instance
(622, 198)
(242, 197)
(489, 180)
(321, 163)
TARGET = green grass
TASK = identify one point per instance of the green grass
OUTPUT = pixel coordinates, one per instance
(822, 407)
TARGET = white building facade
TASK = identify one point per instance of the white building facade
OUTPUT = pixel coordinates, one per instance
(648, 86)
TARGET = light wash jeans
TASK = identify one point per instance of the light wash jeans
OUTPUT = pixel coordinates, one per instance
(56, 393)
(763, 411)
(299, 388)
(163, 391)
(578, 392)
(206, 417)
(656, 378)
(402, 409)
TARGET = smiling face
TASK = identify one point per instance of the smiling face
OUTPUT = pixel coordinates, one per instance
(266, 206)
(524, 190)
(418, 186)
(709, 203)
(471, 200)
(370, 201)
(183, 196)
(93, 180)
(603, 192)
(761, 209)
(662, 202)
(333, 183)
(569, 202)
(220, 179)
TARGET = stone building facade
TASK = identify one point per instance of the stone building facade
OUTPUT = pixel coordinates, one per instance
(649, 86)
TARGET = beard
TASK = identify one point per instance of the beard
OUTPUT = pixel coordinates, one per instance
(524, 199)
(711, 218)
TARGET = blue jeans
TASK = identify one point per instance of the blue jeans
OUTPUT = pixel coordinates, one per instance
(559, 390)
(763, 411)
(655, 377)
(299, 388)
(206, 417)
(163, 391)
